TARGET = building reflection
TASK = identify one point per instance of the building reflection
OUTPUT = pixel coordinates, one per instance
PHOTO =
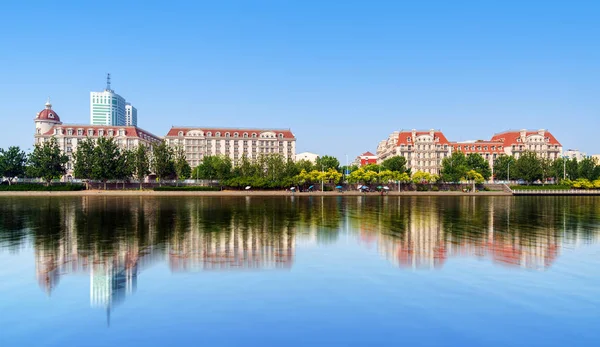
(115, 239)
(426, 233)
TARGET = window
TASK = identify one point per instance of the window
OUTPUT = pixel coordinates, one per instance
(79, 132)
(254, 135)
(226, 134)
(209, 134)
(235, 134)
(408, 139)
(245, 135)
(180, 133)
(90, 132)
(110, 133)
(100, 132)
(217, 134)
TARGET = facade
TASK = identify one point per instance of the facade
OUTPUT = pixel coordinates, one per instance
(489, 150)
(575, 154)
(312, 157)
(107, 108)
(232, 142)
(423, 150)
(130, 115)
(48, 125)
(542, 142)
(366, 159)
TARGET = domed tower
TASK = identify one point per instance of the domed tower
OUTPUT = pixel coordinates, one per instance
(46, 119)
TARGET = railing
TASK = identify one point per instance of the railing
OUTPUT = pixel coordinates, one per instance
(556, 192)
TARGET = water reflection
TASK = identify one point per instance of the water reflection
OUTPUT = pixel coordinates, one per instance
(113, 239)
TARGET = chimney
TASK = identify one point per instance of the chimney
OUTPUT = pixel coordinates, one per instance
(523, 133)
(542, 132)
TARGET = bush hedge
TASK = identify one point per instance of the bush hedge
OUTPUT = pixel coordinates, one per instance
(41, 187)
(187, 189)
(541, 187)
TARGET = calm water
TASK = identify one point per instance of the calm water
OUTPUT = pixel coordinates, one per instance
(353, 271)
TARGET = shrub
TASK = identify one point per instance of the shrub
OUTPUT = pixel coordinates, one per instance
(435, 189)
(187, 189)
(42, 187)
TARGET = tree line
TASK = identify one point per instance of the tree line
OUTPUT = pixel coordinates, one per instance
(104, 160)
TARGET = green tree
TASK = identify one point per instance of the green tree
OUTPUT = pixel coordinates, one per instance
(572, 167)
(162, 161)
(106, 160)
(327, 162)
(454, 167)
(141, 163)
(476, 162)
(12, 163)
(47, 161)
(182, 167)
(396, 163)
(528, 167)
(474, 177)
(546, 166)
(84, 159)
(126, 165)
(586, 169)
(305, 165)
(557, 169)
(503, 165)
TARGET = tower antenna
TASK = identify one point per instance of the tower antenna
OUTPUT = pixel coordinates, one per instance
(108, 81)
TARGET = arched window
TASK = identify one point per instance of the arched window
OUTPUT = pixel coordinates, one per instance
(254, 135)
(226, 134)
(245, 135)
(180, 133)
(218, 134)
(209, 134)
(235, 134)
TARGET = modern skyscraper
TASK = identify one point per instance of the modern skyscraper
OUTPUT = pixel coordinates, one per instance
(107, 107)
(130, 115)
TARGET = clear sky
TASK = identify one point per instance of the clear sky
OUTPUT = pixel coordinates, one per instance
(341, 74)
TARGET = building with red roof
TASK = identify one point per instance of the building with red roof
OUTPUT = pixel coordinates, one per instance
(48, 125)
(199, 142)
(366, 159)
(423, 149)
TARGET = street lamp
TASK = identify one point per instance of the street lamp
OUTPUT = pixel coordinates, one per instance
(508, 173)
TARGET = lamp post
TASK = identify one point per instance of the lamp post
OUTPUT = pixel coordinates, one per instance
(322, 173)
(564, 168)
(508, 173)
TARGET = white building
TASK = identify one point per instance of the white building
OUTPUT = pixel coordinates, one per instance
(130, 115)
(48, 125)
(312, 157)
(575, 154)
(232, 142)
(107, 107)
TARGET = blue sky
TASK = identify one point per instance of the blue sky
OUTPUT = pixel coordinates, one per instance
(341, 74)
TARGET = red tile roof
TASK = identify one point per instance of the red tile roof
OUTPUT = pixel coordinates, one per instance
(130, 131)
(510, 137)
(174, 131)
(48, 114)
(367, 154)
(479, 146)
(404, 135)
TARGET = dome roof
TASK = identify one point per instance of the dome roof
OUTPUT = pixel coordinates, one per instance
(48, 113)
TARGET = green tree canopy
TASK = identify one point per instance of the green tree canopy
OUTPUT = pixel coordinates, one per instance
(587, 169)
(395, 163)
(572, 167)
(327, 162)
(454, 167)
(141, 163)
(83, 167)
(47, 161)
(501, 167)
(182, 168)
(528, 167)
(107, 160)
(478, 163)
(12, 163)
(162, 161)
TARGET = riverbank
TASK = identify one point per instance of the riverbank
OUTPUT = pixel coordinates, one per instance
(243, 193)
